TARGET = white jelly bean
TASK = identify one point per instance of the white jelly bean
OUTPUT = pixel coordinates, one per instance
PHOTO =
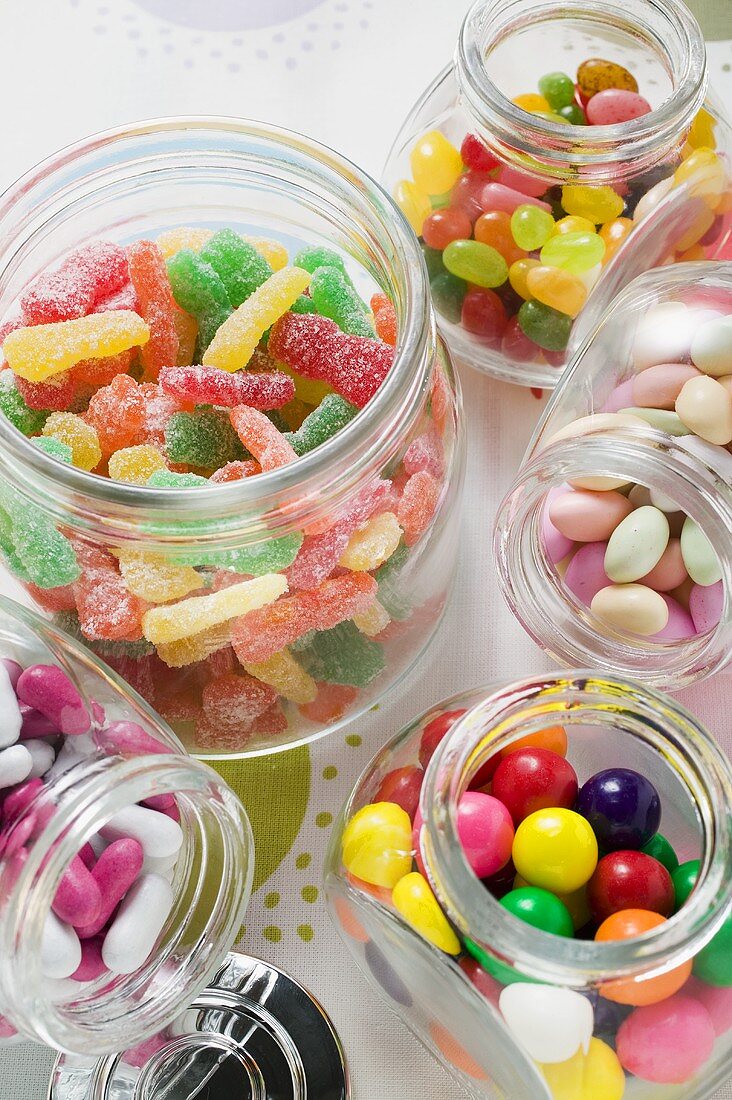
(550, 1024)
(10, 716)
(702, 564)
(634, 608)
(664, 335)
(139, 921)
(711, 348)
(15, 765)
(636, 545)
(705, 407)
(42, 755)
(159, 835)
(60, 948)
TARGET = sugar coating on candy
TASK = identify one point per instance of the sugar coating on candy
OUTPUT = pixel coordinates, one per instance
(45, 555)
(372, 621)
(370, 546)
(150, 281)
(54, 447)
(106, 608)
(343, 655)
(100, 372)
(203, 438)
(27, 420)
(56, 395)
(87, 275)
(196, 647)
(42, 351)
(333, 296)
(283, 672)
(191, 616)
(155, 579)
(170, 479)
(208, 385)
(238, 264)
(199, 291)
(418, 505)
(331, 415)
(135, 465)
(235, 471)
(268, 445)
(385, 321)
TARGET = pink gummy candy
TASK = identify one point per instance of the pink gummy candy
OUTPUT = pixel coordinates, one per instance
(87, 275)
(210, 386)
(425, 453)
(49, 690)
(418, 505)
(107, 609)
(113, 874)
(261, 437)
(78, 899)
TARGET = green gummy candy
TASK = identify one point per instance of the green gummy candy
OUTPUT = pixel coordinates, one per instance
(168, 479)
(26, 420)
(202, 438)
(391, 595)
(310, 259)
(68, 621)
(56, 448)
(237, 263)
(335, 297)
(199, 291)
(344, 655)
(46, 555)
(303, 304)
(270, 556)
(332, 414)
(7, 548)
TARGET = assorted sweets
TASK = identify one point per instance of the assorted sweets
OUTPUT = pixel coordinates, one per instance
(198, 360)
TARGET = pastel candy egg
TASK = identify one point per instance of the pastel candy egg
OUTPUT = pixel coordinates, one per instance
(413, 898)
(556, 545)
(680, 625)
(636, 545)
(486, 832)
(550, 1024)
(621, 397)
(702, 564)
(705, 605)
(669, 571)
(659, 386)
(587, 516)
(604, 421)
(377, 844)
(585, 574)
(574, 252)
(631, 607)
(556, 288)
(711, 348)
(705, 407)
(662, 419)
(664, 335)
(666, 1043)
(614, 105)
(596, 1075)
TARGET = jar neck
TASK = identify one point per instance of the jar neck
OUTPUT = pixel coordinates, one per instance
(515, 710)
(604, 153)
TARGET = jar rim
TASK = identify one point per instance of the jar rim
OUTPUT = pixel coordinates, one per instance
(368, 431)
(546, 700)
(551, 145)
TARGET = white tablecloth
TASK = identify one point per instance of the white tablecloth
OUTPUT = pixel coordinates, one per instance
(346, 72)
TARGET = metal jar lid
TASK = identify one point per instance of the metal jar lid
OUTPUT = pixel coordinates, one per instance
(253, 1034)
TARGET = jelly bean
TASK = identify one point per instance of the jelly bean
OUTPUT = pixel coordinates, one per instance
(573, 114)
(704, 175)
(413, 898)
(622, 806)
(60, 948)
(705, 407)
(575, 252)
(139, 921)
(532, 102)
(435, 163)
(713, 964)
(556, 545)
(680, 624)
(551, 1024)
(614, 233)
(496, 196)
(597, 1075)
(413, 203)
(477, 263)
(616, 105)
(711, 347)
(630, 880)
(448, 294)
(444, 226)
(545, 326)
(556, 288)
(475, 154)
(78, 899)
(402, 786)
(486, 832)
(555, 849)
(47, 350)
(518, 275)
(585, 575)
(636, 545)
(484, 314)
(540, 909)
(626, 924)
(558, 89)
(700, 560)
(658, 387)
(49, 690)
(534, 779)
(531, 226)
(631, 607)
(597, 204)
(495, 228)
(586, 516)
(596, 74)
(377, 844)
(666, 1043)
(705, 606)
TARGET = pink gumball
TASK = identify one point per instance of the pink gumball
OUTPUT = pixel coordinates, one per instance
(717, 1000)
(668, 1042)
(486, 832)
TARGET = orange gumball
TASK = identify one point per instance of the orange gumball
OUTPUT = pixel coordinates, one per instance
(553, 738)
(640, 991)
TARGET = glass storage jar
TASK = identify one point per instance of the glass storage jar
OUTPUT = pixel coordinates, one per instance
(514, 176)
(403, 452)
(511, 1010)
(175, 842)
(623, 439)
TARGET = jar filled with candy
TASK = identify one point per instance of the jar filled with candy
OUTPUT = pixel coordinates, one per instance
(613, 544)
(537, 877)
(125, 866)
(231, 446)
(567, 149)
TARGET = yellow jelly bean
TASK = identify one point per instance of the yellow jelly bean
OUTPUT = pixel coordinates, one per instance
(191, 616)
(372, 544)
(557, 288)
(42, 351)
(518, 274)
(413, 203)
(155, 579)
(413, 898)
(597, 204)
(197, 647)
(373, 620)
(597, 1075)
(283, 672)
(702, 130)
(532, 101)
(574, 224)
(704, 175)
(377, 844)
(436, 163)
(233, 345)
(696, 229)
(77, 434)
(135, 464)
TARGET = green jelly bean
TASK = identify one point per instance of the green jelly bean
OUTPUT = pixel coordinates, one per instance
(47, 556)
(202, 438)
(56, 448)
(331, 415)
(573, 114)
(713, 964)
(684, 880)
(26, 420)
(662, 850)
(237, 263)
(343, 655)
(335, 297)
(448, 294)
(557, 89)
(433, 261)
(531, 227)
(476, 263)
(199, 291)
(575, 252)
(702, 564)
(552, 116)
(391, 593)
(547, 327)
(663, 419)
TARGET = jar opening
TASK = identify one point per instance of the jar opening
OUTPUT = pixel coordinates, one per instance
(664, 40)
(647, 728)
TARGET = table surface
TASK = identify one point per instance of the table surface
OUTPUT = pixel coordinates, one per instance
(345, 72)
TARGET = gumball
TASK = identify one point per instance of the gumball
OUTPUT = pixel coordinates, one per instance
(540, 909)
(402, 786)
(716, 999)
(630, 880)
(486, 832)
(713, 964)
(666, 1043)
(433, 733)
(553, 739)
(413, 898)
(481, 979)
(534, 779)
(555, 849)
(550, 1023)
(684, 880)
(622, 806)
(625, 925)
(502, 881)
(377, 844)
(662, 850)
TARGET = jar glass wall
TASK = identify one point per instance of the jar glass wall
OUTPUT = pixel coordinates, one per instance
(527, 214)
(359, 610)
(511, 1010)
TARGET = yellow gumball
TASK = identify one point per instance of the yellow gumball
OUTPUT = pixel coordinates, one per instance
(377, 844)
(413, 898)
(555, 849)
(596, 1075)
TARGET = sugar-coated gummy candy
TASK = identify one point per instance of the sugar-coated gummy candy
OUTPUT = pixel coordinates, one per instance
(42, 351)
(156, 306)
(203, 438)
(333, 296)
(208, 385)
(343, 655)
(87, 275)
(331, 415)
(135, 465)
(259, 435)
(44, 555)
(238, 264)
(370, 546)
(197, 613)
(283, 672)
(54, 447)
(199, 291)
(155, 579)
(22, 416)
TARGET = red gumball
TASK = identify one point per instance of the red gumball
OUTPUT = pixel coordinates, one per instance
(534, 779)
(402, 786)
(629, 879)
(433, 733)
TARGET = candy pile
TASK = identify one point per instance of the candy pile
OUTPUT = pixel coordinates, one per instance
(573, 860)
(512, 257)
(628, 552)
(200, 359)
(115, 895)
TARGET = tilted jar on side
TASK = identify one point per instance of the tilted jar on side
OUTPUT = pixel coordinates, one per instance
(531, 218)
(513, 1011)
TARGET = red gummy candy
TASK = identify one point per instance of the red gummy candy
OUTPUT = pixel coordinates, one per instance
(272, 722)
(231, 704)
(57, 395)
(425, 453)
(100, 372)
(159, 407)
(384, 318)
(149, 277)
(117, 412)
(418, 505)
(211, 386)
(52, 599)
(107, 609)
(314, 346)
(331, 702)
(124, 298)
(88, 274)
(261, 437)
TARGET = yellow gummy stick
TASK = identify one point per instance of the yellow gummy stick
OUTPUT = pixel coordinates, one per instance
(186, 651)
(372, 544)
(175, 621)
(233, 345)
(282, 671)
(154, 579)
(42, 351)
(373, 620)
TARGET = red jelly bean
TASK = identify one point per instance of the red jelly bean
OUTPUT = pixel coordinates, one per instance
(629, 879)
(484, 314)
(467, 192)
(444, 226)
(402, 786)
(534, 779)
(476, 154)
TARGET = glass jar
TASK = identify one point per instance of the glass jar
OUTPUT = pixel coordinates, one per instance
(640, 193)
(606, 419)
(176, 845)
(148, 180)
(508, 1008)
